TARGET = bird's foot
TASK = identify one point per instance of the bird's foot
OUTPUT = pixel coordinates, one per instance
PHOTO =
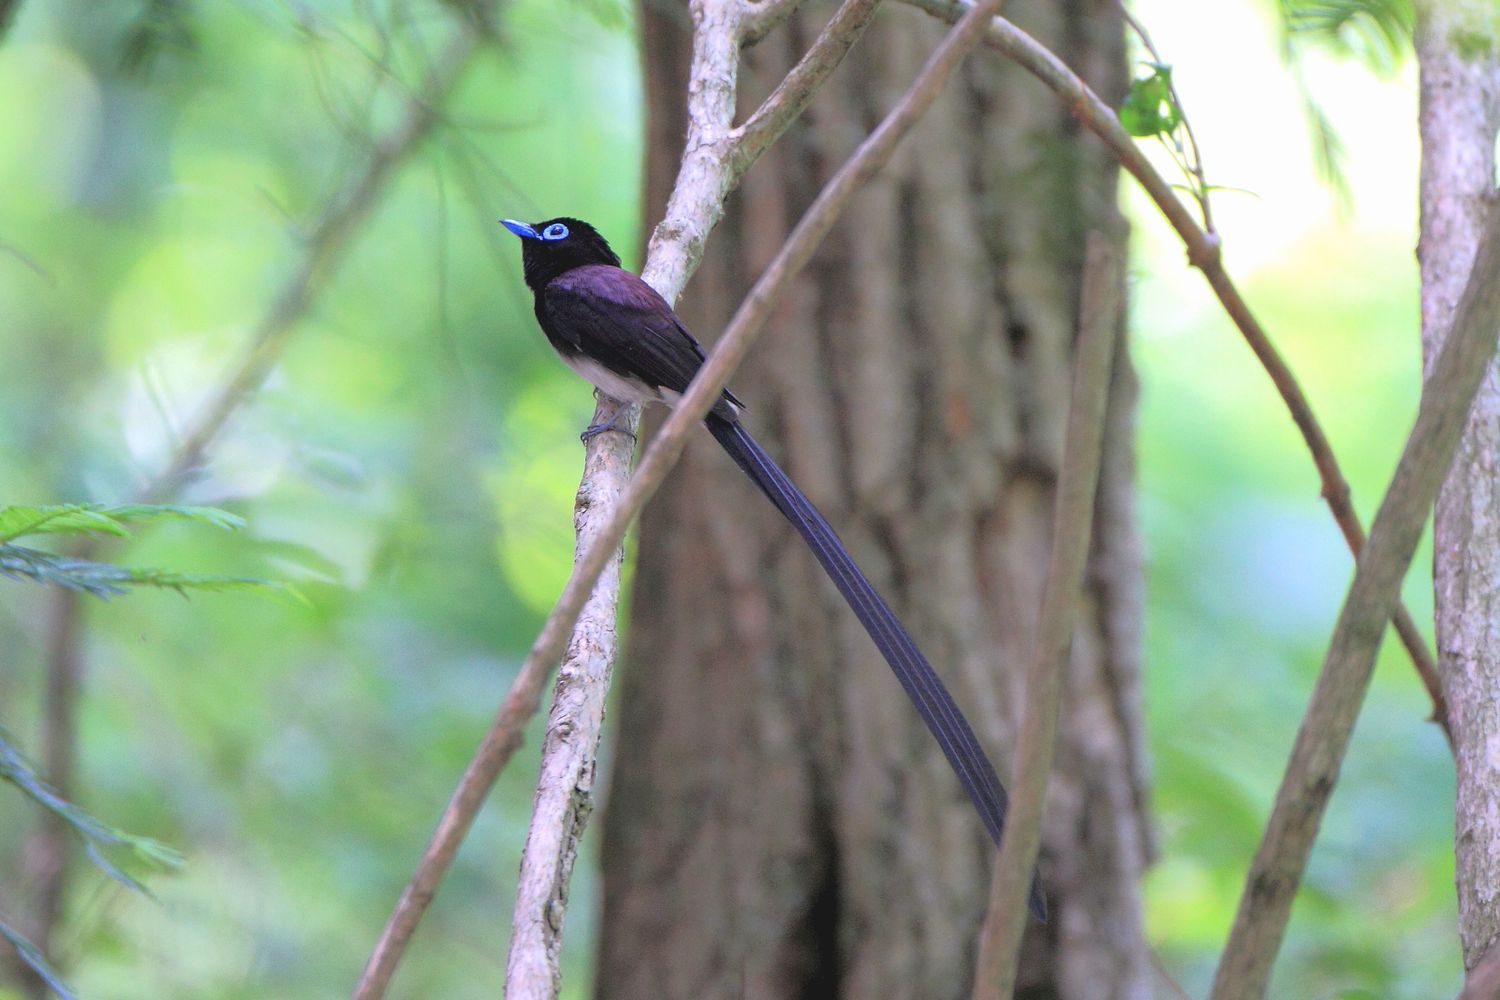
(594, 430)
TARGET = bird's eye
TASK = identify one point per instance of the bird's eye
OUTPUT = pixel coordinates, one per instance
(556, 231)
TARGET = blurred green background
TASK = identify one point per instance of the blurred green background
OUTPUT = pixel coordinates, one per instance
(410, 465)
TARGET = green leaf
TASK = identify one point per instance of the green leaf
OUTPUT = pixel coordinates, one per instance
(106, 579)
(1149, 108)
(17, 522)
(91, 518)
(143, 512)
(36, 961)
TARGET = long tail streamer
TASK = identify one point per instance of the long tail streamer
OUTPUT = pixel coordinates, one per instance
(922, 684)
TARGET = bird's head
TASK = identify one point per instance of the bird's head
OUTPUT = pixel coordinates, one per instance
(558, 245)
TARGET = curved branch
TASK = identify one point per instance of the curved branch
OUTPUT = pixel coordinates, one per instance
(1323, 737)
(1203, 253)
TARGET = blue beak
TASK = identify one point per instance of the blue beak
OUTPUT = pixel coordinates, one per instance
(521, 229)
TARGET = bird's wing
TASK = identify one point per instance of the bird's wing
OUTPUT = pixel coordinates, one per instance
(612, 316)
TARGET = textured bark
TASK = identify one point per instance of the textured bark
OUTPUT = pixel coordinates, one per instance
(1458, 48)
(779, 824)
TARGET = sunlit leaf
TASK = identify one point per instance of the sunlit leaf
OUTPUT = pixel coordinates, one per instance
(19, 521)
(142, 512)
(87, 518)
(1148, 108)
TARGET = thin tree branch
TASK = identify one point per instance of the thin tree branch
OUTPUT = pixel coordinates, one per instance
(1323, 737)
(1204, 253)
(324, 249)
(1072, 530)
(805, 79)
(715, 154)
(760, 17)
(672, 246)
(565, 788)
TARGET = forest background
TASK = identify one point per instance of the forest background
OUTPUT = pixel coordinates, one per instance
(410, 464)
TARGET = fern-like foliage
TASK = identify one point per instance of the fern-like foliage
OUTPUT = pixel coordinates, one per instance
(93, 832)
(99, 519)
(106, 579)
(96, 836)
(1375, 31)
(101, 579)
(21, 562)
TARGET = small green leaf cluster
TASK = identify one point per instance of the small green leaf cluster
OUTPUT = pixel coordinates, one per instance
(1151, 108)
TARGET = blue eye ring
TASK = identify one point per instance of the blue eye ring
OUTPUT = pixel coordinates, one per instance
(556, 231)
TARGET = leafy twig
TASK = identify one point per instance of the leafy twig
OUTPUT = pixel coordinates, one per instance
(1188, 156)
(95, 835)
(93, 831)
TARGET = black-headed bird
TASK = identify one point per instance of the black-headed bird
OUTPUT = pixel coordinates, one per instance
(620, 334)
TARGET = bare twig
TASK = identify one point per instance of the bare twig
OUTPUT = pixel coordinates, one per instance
(672, 247)
(1324, 735)
(324, 249)
(1072, 530)
(760, 17)
(1203, 253)
(806, 78)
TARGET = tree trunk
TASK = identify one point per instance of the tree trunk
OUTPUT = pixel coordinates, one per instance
(1458, 49)
(779, 823)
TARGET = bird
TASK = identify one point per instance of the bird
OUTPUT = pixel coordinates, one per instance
(620, 334)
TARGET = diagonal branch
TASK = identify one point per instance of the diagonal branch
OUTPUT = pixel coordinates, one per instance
(1072, 530)
(799, 86)
(671, 246)
(1203, 253)
(1323, 738)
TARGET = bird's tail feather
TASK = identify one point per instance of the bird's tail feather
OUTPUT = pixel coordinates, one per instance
(922, 684)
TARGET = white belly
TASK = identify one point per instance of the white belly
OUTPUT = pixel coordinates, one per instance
(630, 390)
(621, 388)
